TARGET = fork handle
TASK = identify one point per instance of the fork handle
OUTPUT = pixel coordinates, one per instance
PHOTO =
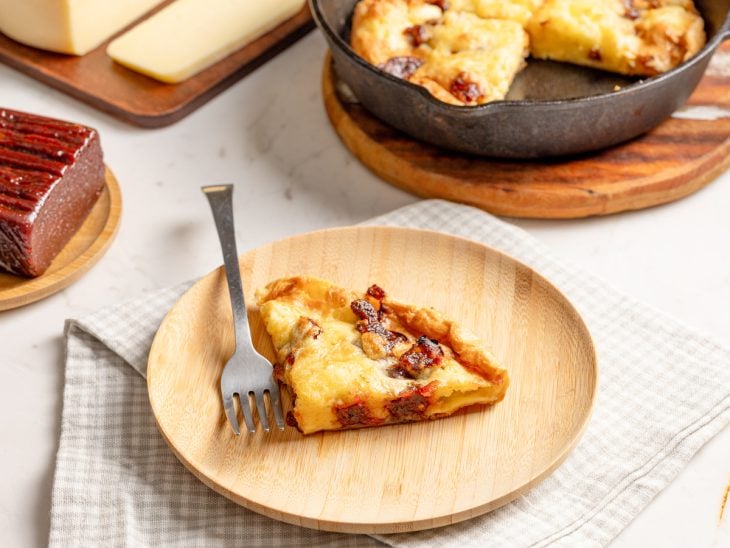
(220, 198)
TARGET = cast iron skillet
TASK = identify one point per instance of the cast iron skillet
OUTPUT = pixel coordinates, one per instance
(553, 109)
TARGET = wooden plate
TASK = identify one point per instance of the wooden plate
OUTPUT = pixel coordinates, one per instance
(80, 254)
(394, 478)
(680, 156)
(97, 80)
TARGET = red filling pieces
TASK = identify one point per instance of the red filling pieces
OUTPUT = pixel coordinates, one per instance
(355, 414)
(418, 34)
(278, 373)
(411, 404)
(422, 355)
(465, 90)
(370, 320)
(443, 4)
(376, 292)
(401, 67)
(291, 420)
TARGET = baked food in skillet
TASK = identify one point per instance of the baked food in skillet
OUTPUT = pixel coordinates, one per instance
(354, 360)
(461, 58)
(473, 59)
(634, 37)
(468, 52)
(515, 10)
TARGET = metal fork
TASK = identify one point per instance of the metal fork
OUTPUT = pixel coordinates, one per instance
(247, 373)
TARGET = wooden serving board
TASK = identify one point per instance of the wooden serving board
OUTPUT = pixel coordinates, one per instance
(81, 253)
(670, 162)
(393, 478)
(97, 80)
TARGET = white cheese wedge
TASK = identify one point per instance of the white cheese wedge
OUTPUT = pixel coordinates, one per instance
(190, 35)
(68, 26)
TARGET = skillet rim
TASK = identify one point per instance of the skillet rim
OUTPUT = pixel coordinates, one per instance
(722, 34)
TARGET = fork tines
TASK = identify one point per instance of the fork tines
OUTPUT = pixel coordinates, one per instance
(274, 405)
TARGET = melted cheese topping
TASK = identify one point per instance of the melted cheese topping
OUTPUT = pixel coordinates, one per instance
(470, 52)
(650, 38)
(486, 52)
(314, 332)
(378, 27)
(515, 10)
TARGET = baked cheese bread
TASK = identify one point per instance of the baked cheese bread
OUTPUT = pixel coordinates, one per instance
(515, 10)
(468, 52)
(460, 57)
(380, 28)
(633, 37)
(473, 60)
(354, 360)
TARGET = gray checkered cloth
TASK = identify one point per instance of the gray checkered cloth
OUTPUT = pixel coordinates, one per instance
(664, 392)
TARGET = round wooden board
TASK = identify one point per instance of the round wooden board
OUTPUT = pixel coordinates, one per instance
(81, 253)
(674, 160)
(394, 478)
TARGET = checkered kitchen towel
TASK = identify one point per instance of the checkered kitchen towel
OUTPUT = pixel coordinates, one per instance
(118, 484)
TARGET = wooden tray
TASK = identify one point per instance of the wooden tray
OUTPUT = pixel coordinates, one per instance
(394, 478)
(97, 80)
(674, 160)
(80, 254)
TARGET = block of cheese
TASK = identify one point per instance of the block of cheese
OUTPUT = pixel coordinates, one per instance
(68, 26)
(190, 35)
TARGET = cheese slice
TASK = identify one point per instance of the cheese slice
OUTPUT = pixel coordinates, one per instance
(190, 35)
(68, 26)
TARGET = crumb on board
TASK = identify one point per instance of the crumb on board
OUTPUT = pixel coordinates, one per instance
(724, 501)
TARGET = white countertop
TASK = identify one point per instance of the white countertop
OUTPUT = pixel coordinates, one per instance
(270, 136)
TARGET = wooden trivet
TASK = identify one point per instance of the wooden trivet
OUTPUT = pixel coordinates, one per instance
(682, 155)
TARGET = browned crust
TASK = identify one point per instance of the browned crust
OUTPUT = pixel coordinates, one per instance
(332, 296)
(467, 351)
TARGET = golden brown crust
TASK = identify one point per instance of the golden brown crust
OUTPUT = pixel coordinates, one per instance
(467, 348)
(436, 89)
(312, 292)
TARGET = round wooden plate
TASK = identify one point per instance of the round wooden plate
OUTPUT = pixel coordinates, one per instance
(394, 478)
(81, 253)
(679, 157)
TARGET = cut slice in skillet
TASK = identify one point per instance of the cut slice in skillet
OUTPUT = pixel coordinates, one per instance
(634, 37)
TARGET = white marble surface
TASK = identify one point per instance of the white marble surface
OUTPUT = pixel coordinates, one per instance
(270, 136)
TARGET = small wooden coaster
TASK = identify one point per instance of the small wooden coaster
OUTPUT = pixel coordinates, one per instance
(80, 254)
(682, 155)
